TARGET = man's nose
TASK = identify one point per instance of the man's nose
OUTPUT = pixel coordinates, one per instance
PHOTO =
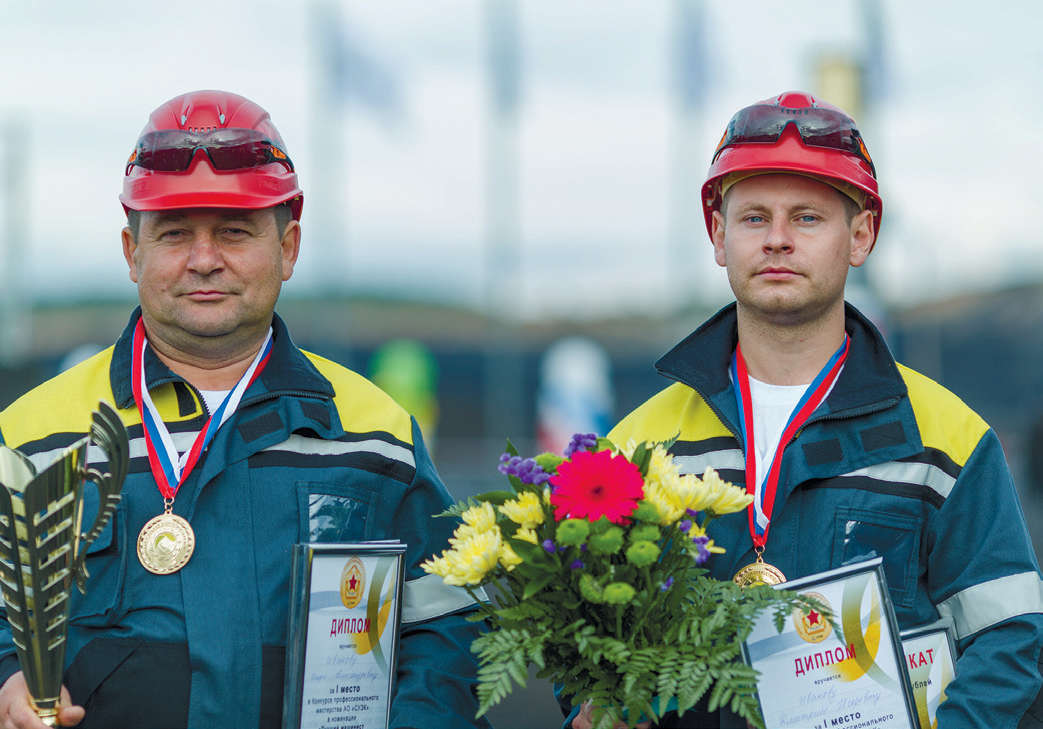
(205, 254)
(779, 238)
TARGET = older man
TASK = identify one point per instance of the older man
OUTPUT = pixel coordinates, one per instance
(245, 439)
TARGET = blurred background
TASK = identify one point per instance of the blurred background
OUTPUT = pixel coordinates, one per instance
(502, 222)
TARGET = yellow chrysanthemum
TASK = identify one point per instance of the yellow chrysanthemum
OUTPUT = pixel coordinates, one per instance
(469, 561)
(524, 510)
(657, 496)
(527, 534)
(723, 497)
(477, 520)
(481, 517)
(672, 493)
(508, 557)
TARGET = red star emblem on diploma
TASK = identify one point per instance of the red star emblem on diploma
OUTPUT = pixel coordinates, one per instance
(813, 618)
(353, 583)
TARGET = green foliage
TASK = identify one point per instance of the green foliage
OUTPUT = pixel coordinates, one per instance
(457, 509)
(642, 554)
(610, 541)
(573, 532)
(644, 532)
(619, 593)
(646, 512)
(549, 462)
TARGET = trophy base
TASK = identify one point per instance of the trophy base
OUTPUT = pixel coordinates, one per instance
(46, 710)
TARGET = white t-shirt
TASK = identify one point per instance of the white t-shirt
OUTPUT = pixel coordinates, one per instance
(213, 398)
(772, 406)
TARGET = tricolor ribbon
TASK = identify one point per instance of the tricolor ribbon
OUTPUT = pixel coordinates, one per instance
(169, 469)
(764, 492)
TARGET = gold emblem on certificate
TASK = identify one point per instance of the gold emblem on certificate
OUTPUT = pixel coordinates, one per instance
(165, 544)
(352, 582)
(811, 625)
(759, 573)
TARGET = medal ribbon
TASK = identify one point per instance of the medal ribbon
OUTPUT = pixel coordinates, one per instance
(764, 492)
(170, 470)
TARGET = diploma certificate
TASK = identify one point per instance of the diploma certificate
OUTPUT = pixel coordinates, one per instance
(811, 677)
(342, 641)
(930, 658)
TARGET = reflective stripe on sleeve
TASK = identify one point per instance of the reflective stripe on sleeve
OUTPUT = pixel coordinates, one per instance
(320, 447)
(429, 597)
(720, 460)
(988, 603)
(930, 476)
(294, 444)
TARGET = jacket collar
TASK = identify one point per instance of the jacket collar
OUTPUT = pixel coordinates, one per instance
(869, 381)
(287, 369)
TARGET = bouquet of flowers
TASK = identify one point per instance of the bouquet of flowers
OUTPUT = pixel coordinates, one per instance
(595, 564)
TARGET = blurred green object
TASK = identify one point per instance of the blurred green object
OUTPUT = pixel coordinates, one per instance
(406, 370)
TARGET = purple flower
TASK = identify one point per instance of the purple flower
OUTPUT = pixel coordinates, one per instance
(685, 525)
(525, 470)
(704, 553)
(576, 564)
(691, 512)
(581, 442)
(667, 584)
(548, 544)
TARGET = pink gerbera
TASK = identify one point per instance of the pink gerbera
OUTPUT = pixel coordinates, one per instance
(592, 485)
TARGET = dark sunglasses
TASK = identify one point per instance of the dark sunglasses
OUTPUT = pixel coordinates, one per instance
(818, 127)
(172, 150)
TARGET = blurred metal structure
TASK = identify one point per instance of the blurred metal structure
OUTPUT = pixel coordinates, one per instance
(503, 398)
(687, 158)
(14, 304)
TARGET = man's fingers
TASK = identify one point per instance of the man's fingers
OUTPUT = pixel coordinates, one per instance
(68, 714)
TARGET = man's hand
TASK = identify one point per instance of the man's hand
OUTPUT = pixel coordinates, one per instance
(585, 719)
(17, 713)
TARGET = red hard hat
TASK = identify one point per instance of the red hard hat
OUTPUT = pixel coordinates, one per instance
(194, 125)
(793, 132)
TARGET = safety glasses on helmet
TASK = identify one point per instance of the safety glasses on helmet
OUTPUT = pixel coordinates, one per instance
(818, 127)
(172, 150)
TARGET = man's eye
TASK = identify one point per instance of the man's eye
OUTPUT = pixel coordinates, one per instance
(808, 218)
(754, 218)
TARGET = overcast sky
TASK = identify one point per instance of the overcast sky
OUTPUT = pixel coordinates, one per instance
(956, 140)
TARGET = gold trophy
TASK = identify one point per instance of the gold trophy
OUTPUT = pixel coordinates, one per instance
(42, 549)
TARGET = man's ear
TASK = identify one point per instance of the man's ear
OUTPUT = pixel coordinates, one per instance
(717, 238)
(863, 237)
(129, 246)
(290, 246)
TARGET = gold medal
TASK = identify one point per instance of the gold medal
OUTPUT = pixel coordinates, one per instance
(759, 573)
(165, 544)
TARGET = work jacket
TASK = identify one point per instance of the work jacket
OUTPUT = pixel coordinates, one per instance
(314, 453)
(891, 464)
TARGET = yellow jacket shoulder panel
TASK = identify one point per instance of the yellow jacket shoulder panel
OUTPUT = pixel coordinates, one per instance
(677, 410)
(62, 404)
(946, 423)
(363, 407)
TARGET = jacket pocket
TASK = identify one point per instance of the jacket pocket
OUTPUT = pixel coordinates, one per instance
(860, 533)
(106, 563)
(115, 680)
(331, 512)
